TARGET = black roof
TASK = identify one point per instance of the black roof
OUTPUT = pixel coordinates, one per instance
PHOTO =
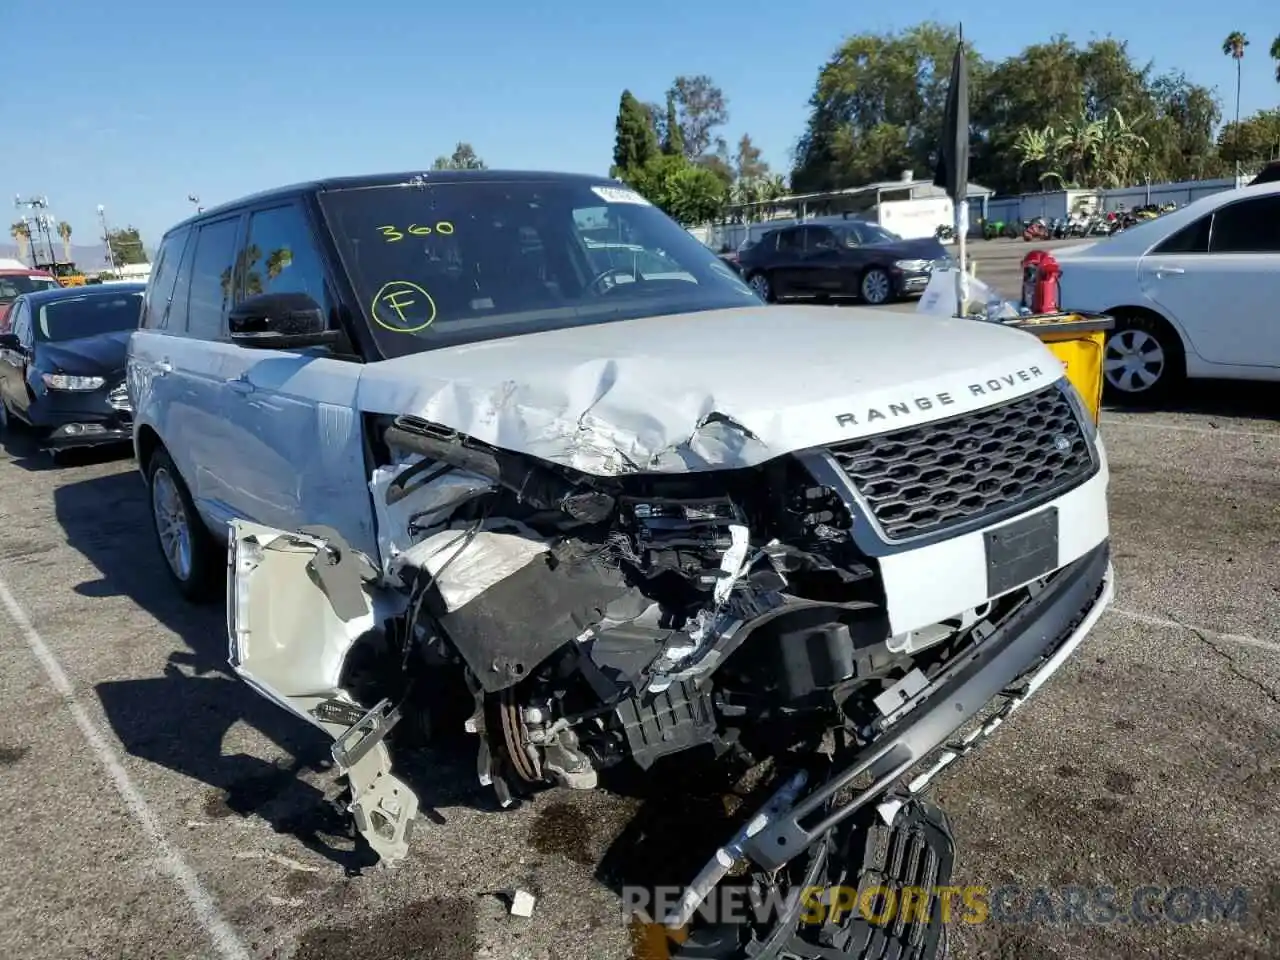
(1270, 174)
(42, 297)
(406, 178)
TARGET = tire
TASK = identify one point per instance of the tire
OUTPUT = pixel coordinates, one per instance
(1143, 361)
(194, 565)
(876, 287)
(759, 282)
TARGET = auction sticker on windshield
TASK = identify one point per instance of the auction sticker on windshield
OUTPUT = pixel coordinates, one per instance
(620, 195)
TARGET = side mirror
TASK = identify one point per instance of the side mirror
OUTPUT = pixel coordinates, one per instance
(9, 341)
(280, 321)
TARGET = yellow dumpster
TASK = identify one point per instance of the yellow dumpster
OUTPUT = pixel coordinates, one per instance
(1078, 340)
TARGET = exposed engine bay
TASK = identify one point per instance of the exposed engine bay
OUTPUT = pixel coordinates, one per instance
(623, 620)
(592, 622)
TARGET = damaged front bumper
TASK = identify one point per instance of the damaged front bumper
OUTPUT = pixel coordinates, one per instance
(1003, 671)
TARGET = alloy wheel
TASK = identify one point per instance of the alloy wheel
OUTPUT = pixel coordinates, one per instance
(172, 523)
(1134, 361)
(760, 284)
(875, 287)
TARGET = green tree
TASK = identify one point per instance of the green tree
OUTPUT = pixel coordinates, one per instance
(126, 246)
(877, 107)
(635, 142)
(701, 109)
(672, 135)
(1275, 55)
(749, 165)
(1253, 141)
(688, 192)
(1054, 113)
(463, 158)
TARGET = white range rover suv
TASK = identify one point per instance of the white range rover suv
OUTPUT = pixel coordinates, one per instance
(624, 514)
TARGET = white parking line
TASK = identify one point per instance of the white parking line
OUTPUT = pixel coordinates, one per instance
(1182, 428)
(1241, 638)
(225, 941)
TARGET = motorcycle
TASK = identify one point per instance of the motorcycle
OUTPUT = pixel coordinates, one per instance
(1037, 229)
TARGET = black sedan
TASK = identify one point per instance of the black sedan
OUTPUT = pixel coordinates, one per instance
(62, 364)
(848, 258)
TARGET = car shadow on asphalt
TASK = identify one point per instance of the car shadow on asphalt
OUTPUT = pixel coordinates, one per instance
(24, 452)
(1214, 398)
(182, 718)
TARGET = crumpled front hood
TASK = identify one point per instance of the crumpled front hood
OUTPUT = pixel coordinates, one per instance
(710, 390)
(103, 354)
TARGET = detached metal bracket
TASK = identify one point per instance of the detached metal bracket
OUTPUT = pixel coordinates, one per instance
(366, 733)
(383, 805)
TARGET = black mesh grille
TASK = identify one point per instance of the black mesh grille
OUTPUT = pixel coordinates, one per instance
(929, 478)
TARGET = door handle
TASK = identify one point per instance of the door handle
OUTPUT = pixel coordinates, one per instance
(163, 367)
(240, 384)
(1162, 272)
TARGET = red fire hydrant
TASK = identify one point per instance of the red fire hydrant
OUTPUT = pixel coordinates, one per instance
(1040, 274)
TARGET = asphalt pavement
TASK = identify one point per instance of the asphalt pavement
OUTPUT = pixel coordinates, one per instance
(159, 809)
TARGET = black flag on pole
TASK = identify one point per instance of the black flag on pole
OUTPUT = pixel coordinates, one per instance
(952, 173)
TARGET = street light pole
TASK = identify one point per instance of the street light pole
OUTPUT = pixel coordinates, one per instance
(106, 237)
(196, 200)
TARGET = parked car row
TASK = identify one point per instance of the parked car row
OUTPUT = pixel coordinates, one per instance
(62, 364)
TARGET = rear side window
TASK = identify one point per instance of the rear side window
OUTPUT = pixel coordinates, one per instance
(1249, 226)
(155, 303)
(790, 241)
(211, 284)
(1193, 238)
(281, 256)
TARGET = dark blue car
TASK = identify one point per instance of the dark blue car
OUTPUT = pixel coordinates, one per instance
(62, 364)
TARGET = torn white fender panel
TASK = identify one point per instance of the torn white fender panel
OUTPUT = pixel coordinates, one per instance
(709, 390)
(466, 564)
(285, 638)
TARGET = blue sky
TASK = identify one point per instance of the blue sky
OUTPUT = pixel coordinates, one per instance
(137, 103)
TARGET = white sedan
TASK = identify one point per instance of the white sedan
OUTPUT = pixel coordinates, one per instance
(1194, 293)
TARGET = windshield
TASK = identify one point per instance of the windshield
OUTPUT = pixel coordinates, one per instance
(441, 264)
(874, 233)
(14, 285)
(88, 316)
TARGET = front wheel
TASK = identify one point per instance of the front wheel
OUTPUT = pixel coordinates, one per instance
(1143, 361)
(876, 287)
(759, 282)
(189, 550)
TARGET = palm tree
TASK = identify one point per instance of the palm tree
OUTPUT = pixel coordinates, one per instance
(1036, 148)
(22, 234)
(1233, 47)
(277, 261)
(1117, 148)
(64, 234)
(1275, 55)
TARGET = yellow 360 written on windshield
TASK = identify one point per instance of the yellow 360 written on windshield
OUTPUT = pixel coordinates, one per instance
(393, 233)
